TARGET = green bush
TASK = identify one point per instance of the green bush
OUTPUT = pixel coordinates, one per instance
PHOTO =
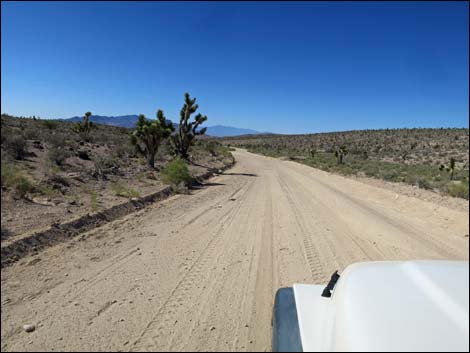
(94, 202)
(459, 189)
(12, 177)
(424, 184)
(123, 191)
(176, 172)
(16, 145)
(390, 175)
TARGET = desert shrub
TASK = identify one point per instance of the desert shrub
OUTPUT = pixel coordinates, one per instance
(104, 165)
(31, 133)
(50, 124)
(54, 183)
(13, 177)
(58, 155)
(16, 145)
(57, 140)
(94, 202)
(176, 172)
(371, 171)
(390, 175)
(23, 186)
(211, 147)
(122, 150)
(424, 184)
(47, 190)
(86, 136)
(57, 179)
(123, 191)
(459, 189)
(8, 174)
(346, 170)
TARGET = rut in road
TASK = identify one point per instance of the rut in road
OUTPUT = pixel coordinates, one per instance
(199, 272)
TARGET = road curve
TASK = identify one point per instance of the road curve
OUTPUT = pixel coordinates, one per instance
(199, 272)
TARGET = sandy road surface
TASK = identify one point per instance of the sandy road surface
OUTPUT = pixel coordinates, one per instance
(198, 272)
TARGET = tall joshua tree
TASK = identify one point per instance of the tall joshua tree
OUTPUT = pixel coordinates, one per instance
(188, 130)
(85, 126)
(149, 134)
(452, 168)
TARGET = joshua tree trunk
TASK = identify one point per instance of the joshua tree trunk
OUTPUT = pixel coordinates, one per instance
(151, 160)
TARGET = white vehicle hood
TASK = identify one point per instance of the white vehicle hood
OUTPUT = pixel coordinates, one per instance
(389, 306)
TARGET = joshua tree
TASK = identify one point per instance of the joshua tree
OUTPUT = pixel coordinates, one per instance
(452, 168)
(148, 135)
(87, 124)
(340, 153)
(84, 126)
(187, 130)
(313, 151)
(365, 155)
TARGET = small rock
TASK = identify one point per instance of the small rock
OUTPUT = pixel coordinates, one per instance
(212, 328)
(29, 328)
(127, 342)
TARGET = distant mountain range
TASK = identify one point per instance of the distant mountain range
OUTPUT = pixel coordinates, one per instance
(129, 121)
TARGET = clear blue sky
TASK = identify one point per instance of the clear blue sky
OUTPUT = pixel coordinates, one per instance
(279, 67)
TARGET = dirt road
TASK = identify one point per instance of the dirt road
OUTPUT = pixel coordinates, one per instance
(199, 272)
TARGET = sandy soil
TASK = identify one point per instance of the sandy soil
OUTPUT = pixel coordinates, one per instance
(199, 272)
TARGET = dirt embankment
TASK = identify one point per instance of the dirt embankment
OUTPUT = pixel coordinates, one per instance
(20, 246)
